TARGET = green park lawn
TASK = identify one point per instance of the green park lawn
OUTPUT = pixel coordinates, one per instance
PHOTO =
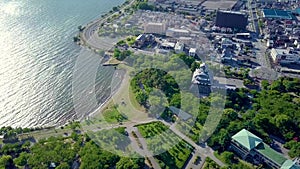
(168, 149)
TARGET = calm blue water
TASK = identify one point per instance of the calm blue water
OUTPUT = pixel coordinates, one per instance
(37, 57)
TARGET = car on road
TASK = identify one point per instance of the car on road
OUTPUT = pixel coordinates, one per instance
(197, 160)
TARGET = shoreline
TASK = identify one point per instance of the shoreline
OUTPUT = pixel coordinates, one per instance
(109, 99)
(91, 29)
(83, 42)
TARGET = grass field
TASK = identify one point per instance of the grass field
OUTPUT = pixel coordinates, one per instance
(113, 140)
(168, 149)
(112, 115)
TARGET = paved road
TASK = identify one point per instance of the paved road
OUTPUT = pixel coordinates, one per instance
(90, 35)
(191, 164)
(253, 14)
(145, 152)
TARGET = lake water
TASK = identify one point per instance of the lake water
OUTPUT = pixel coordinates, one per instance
(37, 58)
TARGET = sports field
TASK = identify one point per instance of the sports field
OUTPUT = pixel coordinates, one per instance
(275, 13)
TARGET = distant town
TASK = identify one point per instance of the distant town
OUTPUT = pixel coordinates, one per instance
(248, 49)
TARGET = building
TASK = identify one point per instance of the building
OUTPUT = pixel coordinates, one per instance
(289, 164)
(180, 113)
(155, 28)
(230, 19)
(186, 40)
(179, 47)
(189, 10)
(173, 32)
(248, 145)
(140, 40)
(193, 52)
(226, 43)
(277, 14)
(167, 45)
(143, 40)
(270, 43)
(285, 56)
(266, 1)
(201, 80)
(243, 35)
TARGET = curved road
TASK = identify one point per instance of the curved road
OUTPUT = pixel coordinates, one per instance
(90, 36)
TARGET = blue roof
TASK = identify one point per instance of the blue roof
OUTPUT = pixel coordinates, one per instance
(276, 13)
(247, 139)
(297, 10)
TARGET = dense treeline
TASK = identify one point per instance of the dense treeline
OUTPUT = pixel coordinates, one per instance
(144, 81)
(170, 75)
(273, 111)
(63, 153)
(121, 55)
(9, 133)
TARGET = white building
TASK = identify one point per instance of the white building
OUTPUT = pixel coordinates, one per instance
(186, 40)
(172, 32)
(155, 28)
(285, 56)
(179, 47)
(192, 52)
(270, 43)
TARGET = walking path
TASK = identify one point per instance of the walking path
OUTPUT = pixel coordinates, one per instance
(203, 151)
(144, 150)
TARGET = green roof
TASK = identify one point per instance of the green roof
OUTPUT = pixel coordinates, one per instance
(289, 164)
(271, 154)
(247, 139)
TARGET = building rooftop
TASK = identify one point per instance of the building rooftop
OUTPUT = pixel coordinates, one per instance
(276, 13)
(141, 37)
(267, 151)
(179, 46)
(178, 30)
(192, 50)
(181, 114)
(280, 51)
(155, 23)
(289, 164)
(233, 12)
(247, 139)
(168, 44)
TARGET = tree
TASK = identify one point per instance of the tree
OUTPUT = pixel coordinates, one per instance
(74, 125)
(115, 8)
(227, 157)
(277, 85)
(195, 66)
(264, 84)
(294, 148)
(121, 55)
(74, 136)
(142, 98)
(22, 159)
(63, 165)
(125, 163)
(26, 145)
(145, 6)
(6, 161)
